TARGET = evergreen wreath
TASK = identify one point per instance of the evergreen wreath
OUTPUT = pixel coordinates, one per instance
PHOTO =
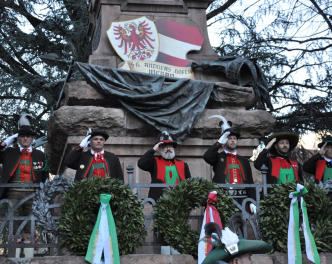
(274, 216)
(80, 211)
(174, 207)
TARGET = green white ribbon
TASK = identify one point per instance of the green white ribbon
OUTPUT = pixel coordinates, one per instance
(293, 244)
(103, 238)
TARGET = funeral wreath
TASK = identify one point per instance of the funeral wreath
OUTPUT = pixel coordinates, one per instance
(274, 216)
(80, 210)
(174, 207)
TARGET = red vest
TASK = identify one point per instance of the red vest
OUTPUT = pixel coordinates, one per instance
(162, 163)
(232, 159)
(280, 163)
(320, 168)
(25, 170)
(92, 161)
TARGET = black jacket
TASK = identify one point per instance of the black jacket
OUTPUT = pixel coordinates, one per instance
(310, 165)
(264, 158)
(9, 157)
(148, 163)
(79, 160)
(218, 160)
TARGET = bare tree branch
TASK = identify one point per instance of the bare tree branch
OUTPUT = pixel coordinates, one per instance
(320, 11)
(220, 9)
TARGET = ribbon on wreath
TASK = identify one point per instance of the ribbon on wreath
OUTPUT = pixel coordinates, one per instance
(293, 243)
(210, 215)
(103, 238)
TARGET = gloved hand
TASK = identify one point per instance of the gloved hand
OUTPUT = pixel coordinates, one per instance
(224, 137)
(85, 142)
(8, 141)
(253, 209)
(156, 147)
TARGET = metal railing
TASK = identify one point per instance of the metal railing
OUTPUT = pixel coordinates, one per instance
(11, 239)
(239, 222)
(8, 216)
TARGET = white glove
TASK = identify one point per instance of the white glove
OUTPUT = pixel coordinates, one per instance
(85, 142)
(224, 137)
(8, 141)
(253, 209)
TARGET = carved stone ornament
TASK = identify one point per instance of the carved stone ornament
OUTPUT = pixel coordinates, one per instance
(43, 199)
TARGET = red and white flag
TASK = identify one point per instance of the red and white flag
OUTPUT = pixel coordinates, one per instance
(176, 40)
(210, 215)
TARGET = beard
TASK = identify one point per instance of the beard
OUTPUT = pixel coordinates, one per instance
(283, 151)
(230, 147)
(168, 155)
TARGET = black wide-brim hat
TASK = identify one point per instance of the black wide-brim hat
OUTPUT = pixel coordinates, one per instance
(165, 138)
(26, 131)
(98, 132)
(170, 142)
(292, 138)
(327, 139)
(244, 246)
(234, 131)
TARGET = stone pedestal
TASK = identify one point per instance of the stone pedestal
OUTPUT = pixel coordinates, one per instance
(130, 137)
(83, 107)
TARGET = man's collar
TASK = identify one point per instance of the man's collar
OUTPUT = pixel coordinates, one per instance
(29, 148)
(93, 152)
(327, 159)
(231, 152)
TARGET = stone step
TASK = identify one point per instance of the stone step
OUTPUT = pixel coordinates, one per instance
(275, 258)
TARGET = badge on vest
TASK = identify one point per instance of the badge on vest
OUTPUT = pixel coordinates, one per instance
(82, 166)
(37, 165)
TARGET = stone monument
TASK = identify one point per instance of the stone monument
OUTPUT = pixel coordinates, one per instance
(83, 106)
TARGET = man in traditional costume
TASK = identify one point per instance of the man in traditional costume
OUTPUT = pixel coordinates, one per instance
(164, 168)
(229, 167)
(96, 162)
(23, 165)
(320, 164)
(281, 169)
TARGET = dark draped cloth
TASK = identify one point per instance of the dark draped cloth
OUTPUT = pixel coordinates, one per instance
(164, 103)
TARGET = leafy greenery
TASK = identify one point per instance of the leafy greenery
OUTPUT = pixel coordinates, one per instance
(80, 210)
(29, 30)
(174, 207)
(274, 216)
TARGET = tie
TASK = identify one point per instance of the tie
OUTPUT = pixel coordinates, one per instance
(25, 151)
(99, 156)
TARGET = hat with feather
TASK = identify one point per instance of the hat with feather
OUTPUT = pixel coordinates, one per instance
(24, 125)
(231, 246)
(165, 138)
